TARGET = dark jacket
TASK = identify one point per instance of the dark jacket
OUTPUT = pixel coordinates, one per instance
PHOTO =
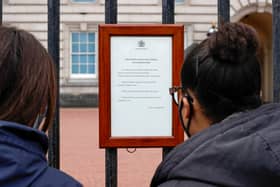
(23, 162)
(242, 150)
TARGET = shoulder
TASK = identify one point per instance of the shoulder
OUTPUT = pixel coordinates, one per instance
(253, 135)
(52, 177)
(269, 133)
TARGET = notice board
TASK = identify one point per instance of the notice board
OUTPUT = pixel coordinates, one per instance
(137, 66)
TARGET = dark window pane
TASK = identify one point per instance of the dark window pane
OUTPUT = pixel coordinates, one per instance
(75, 69)
(83, 37)
(75, 37)
(91, 37)
(75, 48)
(83, 69)
(83, 48)
(91, 69)
(91, 59)
(83, 59)
(75, 59)
(91, 47)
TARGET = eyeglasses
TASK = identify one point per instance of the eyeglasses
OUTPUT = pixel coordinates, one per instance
(177, 92)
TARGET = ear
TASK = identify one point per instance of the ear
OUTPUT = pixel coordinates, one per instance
(186, 108)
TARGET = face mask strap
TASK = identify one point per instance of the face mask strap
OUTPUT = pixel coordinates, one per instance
(39, 119)
(186, 127)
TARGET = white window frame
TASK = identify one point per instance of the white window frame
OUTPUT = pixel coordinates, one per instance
(70, 78)
(81, 75)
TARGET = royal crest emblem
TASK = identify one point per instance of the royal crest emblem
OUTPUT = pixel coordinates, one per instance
(141, 43)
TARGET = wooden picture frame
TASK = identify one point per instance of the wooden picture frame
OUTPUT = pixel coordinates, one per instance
(115, 41)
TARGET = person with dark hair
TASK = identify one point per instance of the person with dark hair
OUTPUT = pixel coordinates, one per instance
(27, 106)
(233, 138)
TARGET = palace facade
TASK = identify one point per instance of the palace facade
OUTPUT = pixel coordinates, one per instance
(79, 41)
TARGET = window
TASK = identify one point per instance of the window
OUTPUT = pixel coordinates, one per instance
(83, 55)
(84, 1)
(179, 1)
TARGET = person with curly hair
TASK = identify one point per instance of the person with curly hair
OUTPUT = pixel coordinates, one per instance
(233, 137)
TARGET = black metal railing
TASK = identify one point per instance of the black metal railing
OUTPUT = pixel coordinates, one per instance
(1, 11)
(168, 16)
(111, 154)
(223, 11)
(53, 48)
(276, 49)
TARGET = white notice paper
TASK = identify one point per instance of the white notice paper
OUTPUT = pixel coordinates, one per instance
(141, 73)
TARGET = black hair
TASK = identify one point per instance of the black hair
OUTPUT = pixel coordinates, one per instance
(28, 81)
(223, 71)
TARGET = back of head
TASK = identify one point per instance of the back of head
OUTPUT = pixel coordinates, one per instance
(27, 83)
(223, 71)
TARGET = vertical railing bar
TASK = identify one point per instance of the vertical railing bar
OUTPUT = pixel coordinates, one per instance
(111, 154)
(1, 12)
(168, 12)
(223, 11)
(53, 48)
(276, 49)
(111, 11)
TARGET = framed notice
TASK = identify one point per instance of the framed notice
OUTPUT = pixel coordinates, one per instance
(137, 66)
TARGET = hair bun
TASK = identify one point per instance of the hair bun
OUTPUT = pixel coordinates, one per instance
(233, 43)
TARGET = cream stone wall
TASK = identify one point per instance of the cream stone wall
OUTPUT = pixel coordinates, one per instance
(196, 15)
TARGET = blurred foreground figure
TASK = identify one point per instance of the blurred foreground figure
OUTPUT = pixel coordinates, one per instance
(27, 105)
(234, 139)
